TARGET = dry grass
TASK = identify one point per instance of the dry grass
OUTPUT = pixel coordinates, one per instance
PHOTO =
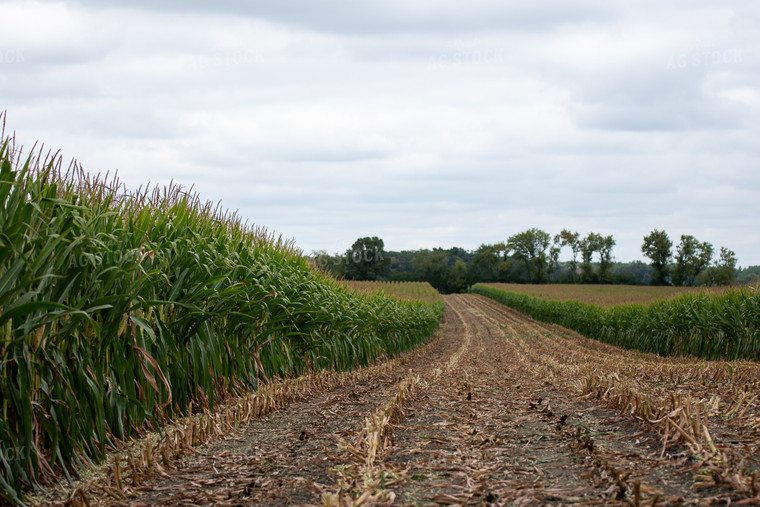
(408, 291)
(601, 295)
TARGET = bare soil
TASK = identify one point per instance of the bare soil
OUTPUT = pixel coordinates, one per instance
(499, 416)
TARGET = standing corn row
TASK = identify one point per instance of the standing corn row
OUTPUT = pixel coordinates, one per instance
(724, 326)
(121, 311)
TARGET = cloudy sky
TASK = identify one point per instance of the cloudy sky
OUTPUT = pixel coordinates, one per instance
(427, 123)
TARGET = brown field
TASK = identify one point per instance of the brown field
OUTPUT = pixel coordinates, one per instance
(601, 295)
(421, 291)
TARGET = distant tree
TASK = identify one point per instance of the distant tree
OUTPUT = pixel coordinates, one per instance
(447, 270)
(692, 258)
(571, 239)
(485, 263)
(605, 246)
(723, 272)
(727, 266)
(432, 266)
(632, 273)
(490, 264)
(333, 264)
(459, 254)
(504, 268)
(531, 247)
(401, 268)
(587, 246)
(457, 277)
(749, 275)
(504, 271)
(366, 259)
(553, 260)
(658, 247)
(562, 273)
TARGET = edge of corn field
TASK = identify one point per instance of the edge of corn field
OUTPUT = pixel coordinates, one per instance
(155, 453)
(709, 326)
(121, 312)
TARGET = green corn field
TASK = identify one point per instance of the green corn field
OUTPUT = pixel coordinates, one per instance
(122, 311)
(710, 326)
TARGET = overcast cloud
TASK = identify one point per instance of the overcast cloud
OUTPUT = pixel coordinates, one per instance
(427, 123)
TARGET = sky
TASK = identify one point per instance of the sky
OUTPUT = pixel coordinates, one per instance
(426, 123)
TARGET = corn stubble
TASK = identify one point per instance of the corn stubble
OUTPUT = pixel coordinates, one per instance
(121, 312)
(366, 478)
(157, 454)
(684, 399)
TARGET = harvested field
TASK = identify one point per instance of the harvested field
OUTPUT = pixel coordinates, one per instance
(497, 410)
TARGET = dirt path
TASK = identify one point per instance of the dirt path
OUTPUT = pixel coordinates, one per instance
(499, 410)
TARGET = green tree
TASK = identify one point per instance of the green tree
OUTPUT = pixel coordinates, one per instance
(432, 267)
(587, 247)
(553, 259)
(531, 247)
(333, 264)
(490, 264)
(366, 259)
(723, 272)
(458, 277)
(632, 273)
(504, 271)
(504, 267)
(658, 247)
(748, 276)
(692, 258)
(571, 239)
(401, 268)
(485, 263)
(605, 246)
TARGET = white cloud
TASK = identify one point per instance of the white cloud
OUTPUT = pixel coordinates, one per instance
(425, 123)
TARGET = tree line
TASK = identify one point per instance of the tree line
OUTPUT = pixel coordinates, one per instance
(532, 256)
(693, 261)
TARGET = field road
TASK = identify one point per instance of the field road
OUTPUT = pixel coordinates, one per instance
(497, 410)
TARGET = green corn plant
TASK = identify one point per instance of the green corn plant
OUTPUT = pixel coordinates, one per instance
(120, 311)
(710, 326)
